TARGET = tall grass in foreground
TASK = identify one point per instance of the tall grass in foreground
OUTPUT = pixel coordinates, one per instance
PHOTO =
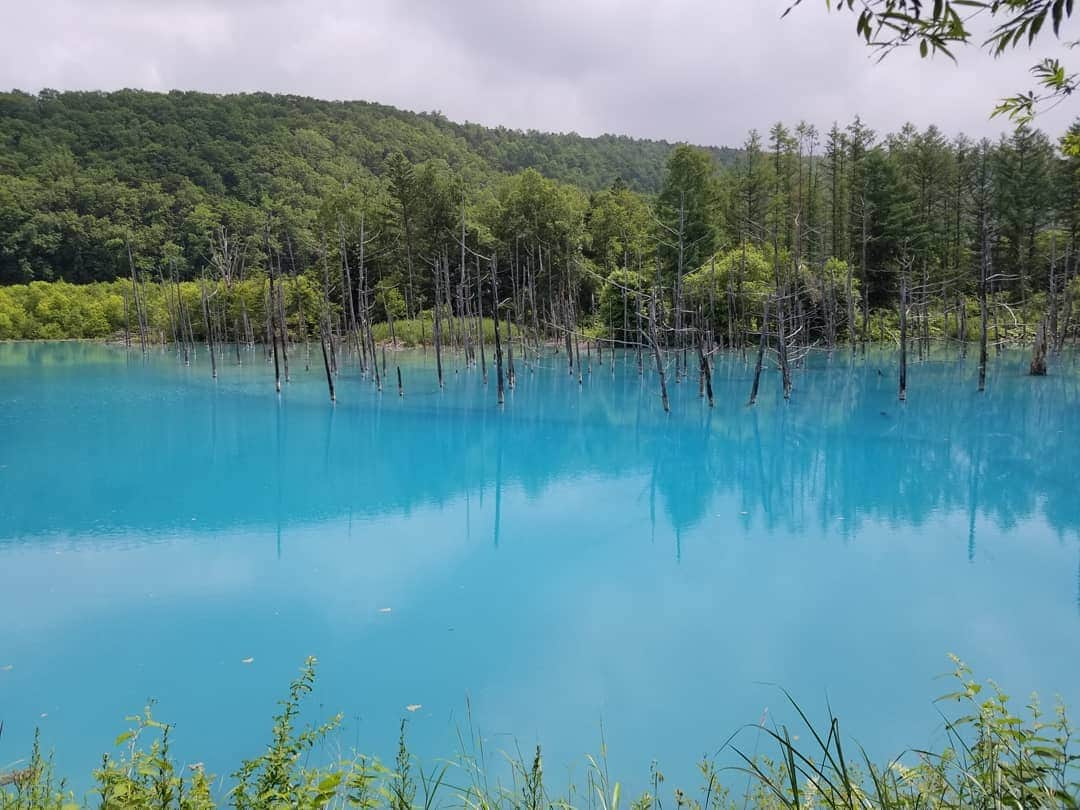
(992, 759)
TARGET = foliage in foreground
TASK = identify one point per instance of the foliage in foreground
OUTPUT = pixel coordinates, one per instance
(993, 759)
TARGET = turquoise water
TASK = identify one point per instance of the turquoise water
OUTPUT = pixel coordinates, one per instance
(573, 561)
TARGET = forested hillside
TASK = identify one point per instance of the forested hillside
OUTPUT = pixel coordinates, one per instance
(382, 213)
(80, 169)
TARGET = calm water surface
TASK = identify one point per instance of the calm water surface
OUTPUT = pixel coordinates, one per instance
(573, 561)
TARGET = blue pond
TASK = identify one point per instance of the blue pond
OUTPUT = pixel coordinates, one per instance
(576, 561)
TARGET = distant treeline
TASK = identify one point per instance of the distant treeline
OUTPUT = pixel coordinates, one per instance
(79, 171)
(59, 310)
(654, 244)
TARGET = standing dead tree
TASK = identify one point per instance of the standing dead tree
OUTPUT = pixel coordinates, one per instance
(498, 340)
(140, 312)
(763, 343)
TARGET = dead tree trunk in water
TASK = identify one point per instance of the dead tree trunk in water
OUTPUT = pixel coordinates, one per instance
(781, 352)
(761, 353)
(138, 304)
(168, 307)
(326, 358)
(706, 371)
(577, 356)
(272, 328)
(209, 333)
(962, 325)
(437, 327)
(984, 314)
(283, 325)
(1038, 355)
(480, 316)
(903, 338)
(181, 317)
(498, 339)
(511, 373)
(654, 340)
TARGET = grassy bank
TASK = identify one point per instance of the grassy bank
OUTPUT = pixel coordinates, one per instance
(993, 759)
(59, 310)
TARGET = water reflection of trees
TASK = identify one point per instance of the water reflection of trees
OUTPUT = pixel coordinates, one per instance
(115, 448)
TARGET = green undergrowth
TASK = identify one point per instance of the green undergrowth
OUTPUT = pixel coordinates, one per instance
(420, 332)
(991, 758)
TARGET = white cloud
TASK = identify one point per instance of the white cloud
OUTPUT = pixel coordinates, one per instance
(699, 70)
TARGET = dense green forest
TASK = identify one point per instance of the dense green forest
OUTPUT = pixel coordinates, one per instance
(842, 234)
(79, 169)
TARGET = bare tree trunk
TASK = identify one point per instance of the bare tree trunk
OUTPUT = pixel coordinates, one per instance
(138, 305)
(761, 352)
(480, 316)
(781, 351)
(437, 328)
(511, 373)
(1038, 355)
(498, 339)
(271, 318)
(654, 340)
(903, 338)
(326, 358)
(983, 318)
(962, 325)
(168, 306)
(209, 333)
(706, 371)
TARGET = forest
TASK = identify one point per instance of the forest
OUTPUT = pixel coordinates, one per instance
(328, 234)
(184, 207)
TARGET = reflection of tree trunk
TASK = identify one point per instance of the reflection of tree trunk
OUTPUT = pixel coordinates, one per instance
(498, 479)
(973, 500)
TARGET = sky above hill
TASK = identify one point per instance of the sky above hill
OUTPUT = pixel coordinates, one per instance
(703, 71)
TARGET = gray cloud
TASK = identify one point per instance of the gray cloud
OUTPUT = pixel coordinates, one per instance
(698, 70)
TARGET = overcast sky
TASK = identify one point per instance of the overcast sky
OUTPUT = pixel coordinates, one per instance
(703, 71)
